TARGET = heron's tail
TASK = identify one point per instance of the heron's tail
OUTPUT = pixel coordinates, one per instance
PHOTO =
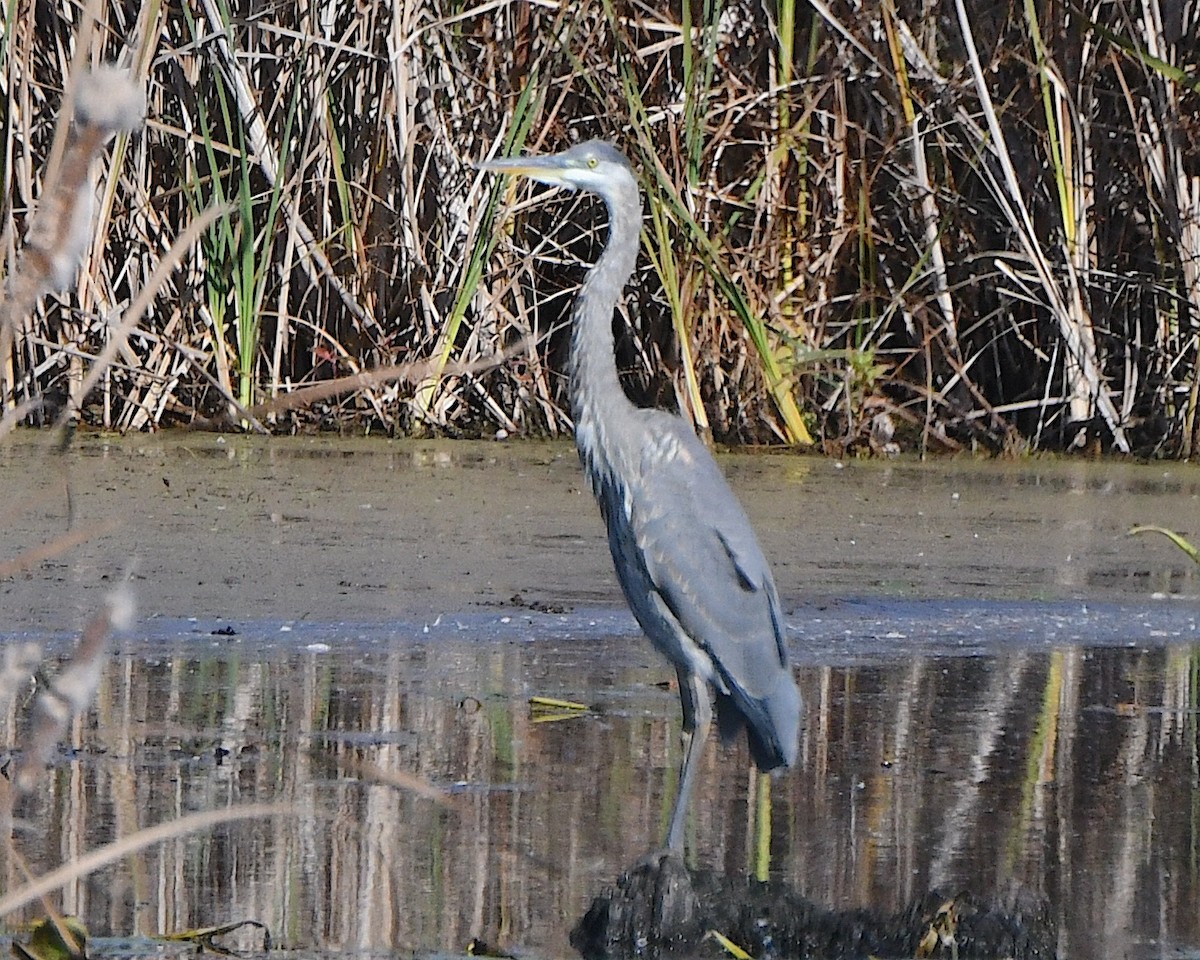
(772, 722)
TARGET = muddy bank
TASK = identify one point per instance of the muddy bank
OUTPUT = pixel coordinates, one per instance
(330, 530)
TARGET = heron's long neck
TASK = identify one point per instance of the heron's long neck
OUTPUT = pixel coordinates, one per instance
(597, 397)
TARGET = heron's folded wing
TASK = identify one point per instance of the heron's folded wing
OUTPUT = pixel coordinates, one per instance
(704, 559)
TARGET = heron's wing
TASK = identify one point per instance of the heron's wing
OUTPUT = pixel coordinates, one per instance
(703, 558)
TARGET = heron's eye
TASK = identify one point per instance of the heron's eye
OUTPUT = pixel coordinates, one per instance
(592, 163)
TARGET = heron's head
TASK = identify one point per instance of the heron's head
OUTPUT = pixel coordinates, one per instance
(595, 166)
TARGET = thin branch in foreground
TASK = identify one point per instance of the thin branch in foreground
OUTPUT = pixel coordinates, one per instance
(13, 417)
(118, 849)
(55, 547)
(405, 781)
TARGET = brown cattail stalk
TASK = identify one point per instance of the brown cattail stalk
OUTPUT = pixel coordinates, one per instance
(106, 102)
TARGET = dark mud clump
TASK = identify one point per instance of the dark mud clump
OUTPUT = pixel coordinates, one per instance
(659, 907)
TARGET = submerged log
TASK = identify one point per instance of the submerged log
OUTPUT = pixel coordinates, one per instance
(659, 907)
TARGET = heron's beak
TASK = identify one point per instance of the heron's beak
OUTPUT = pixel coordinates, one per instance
(552, 170)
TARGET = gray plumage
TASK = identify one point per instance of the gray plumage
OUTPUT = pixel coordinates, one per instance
(686, 556)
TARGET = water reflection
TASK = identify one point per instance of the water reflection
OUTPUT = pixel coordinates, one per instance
(1071, 771)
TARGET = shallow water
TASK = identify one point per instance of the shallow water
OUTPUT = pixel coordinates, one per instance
(1000, 691)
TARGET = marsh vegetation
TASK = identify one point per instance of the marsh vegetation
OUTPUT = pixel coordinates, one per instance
(971, 224)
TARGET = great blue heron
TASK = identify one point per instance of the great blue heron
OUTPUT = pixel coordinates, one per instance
(686, 556)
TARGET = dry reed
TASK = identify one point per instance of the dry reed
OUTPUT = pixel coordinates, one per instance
(975, 226)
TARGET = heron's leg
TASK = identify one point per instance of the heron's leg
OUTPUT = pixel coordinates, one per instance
(697, 718)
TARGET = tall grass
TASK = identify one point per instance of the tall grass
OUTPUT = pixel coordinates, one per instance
(995, 214)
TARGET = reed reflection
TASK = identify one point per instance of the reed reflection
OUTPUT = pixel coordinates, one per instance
(1070, 774)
